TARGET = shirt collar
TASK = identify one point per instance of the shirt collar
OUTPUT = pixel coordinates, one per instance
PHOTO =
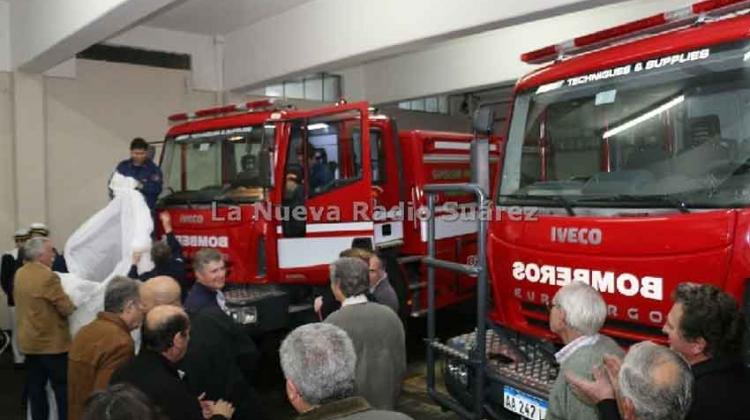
(375, 286)
(113, 318)
(354, 300)
(570, 348)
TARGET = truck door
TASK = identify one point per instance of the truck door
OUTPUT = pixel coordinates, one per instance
(326, 168)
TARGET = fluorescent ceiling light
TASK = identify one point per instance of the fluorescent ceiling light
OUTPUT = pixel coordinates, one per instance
(236, 138)
(317, 126)
(643, 117)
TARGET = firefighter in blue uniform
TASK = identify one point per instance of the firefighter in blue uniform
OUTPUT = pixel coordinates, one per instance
(144, 170)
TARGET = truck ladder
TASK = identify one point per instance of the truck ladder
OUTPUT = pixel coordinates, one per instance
(477, 359)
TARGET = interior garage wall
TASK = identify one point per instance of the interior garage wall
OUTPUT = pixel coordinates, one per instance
(90, 121)
(7, 198)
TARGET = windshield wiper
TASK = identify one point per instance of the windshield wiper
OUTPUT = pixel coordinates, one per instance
(559, 199)
(667, 199)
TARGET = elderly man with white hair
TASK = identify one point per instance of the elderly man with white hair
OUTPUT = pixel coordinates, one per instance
(577, 312)
(319, 363)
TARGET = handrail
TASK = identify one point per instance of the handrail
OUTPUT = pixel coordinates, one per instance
(477, 358)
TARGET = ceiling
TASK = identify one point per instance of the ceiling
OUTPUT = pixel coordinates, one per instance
(213, 17)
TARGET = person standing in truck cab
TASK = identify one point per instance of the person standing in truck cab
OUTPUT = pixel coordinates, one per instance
(320, 173)
(144, 170)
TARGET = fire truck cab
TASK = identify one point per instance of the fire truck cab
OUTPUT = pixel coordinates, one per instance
(632, 149)
(282, 191)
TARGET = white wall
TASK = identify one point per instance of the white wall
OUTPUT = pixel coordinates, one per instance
(47, 32)
(324, 34)
(90, 122)
(7, 195)
(206, 63)
(4, 36)
(492, 57)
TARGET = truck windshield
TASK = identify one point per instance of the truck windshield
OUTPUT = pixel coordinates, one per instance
(219, 164)
(667, 131)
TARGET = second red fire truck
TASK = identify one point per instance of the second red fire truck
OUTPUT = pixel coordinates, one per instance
(281, 191)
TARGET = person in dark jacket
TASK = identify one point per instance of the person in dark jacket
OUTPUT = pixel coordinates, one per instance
(221, 358)
(144, 170)
(166, 335)
(167, 258)
(707, 328)
(11, 261)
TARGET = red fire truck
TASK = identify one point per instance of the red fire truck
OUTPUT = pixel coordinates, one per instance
(633, 148)
(232, 175)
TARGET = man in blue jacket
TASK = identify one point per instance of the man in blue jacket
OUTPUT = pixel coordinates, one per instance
(144, 170)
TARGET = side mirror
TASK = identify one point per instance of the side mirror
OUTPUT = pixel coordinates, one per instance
(484, 120)
(264, 168)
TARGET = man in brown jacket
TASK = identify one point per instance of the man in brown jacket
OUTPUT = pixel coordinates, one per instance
(105, 344)
(42, 308)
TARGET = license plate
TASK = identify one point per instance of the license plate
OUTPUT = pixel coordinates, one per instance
(527, 405)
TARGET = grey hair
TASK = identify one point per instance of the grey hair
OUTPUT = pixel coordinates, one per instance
(656, 398)
(34, 247)
(119, 292)
(205, 256)
(584, 307)
(350, 275)
(320, 360)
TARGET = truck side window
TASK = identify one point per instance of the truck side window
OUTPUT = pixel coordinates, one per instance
(377, 157)
(334, 154)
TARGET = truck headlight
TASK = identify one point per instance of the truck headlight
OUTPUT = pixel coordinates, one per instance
(244, 315)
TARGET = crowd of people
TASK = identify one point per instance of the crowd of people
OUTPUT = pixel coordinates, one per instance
(701, 375)
(190, 360)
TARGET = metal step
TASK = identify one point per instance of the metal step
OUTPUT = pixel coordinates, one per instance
(518, 362)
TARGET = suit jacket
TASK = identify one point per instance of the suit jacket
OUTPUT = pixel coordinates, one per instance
(385, 295)
(563, 403)
(221, 357)
(378, 337)
(42, 310)
(159, 379)
(720, 390)
(97, 351)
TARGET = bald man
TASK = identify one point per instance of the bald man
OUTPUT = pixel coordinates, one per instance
(166, 333)
(160, 290)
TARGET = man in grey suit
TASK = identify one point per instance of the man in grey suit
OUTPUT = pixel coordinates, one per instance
(380, 288)
(376, 331)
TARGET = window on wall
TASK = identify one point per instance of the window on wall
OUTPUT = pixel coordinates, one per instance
(434, 104)
(320, 87)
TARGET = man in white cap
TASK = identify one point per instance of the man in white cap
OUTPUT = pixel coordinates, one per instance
(37, 230)
(9, 263)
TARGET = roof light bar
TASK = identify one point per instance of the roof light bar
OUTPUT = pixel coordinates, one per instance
(660, 22)
(252, 106)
